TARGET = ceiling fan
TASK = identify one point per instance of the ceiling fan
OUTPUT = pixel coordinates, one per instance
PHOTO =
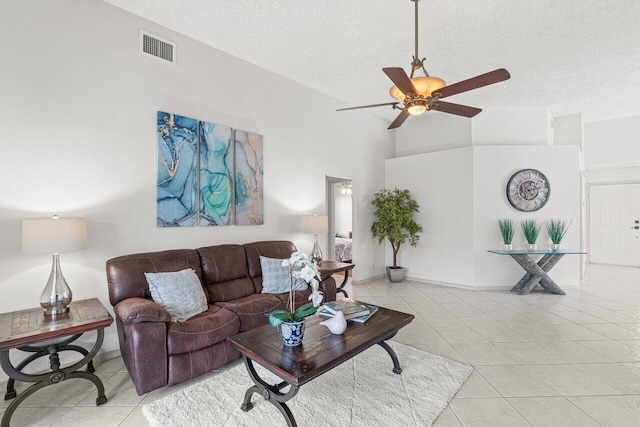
(416, 95)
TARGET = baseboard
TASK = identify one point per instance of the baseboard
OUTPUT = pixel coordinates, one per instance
(461, 285)
(478, 288)
(103, 356)
(368, 279)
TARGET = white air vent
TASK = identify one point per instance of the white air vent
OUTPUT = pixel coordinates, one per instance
(155, 47)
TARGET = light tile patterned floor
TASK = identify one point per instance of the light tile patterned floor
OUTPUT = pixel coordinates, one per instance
(541, 360)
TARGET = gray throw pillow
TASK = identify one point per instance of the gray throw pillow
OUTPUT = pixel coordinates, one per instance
(275, 277)
(180, 293)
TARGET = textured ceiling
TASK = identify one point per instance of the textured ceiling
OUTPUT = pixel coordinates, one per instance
(574, 56)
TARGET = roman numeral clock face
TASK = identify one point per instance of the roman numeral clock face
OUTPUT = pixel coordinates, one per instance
(528, 190)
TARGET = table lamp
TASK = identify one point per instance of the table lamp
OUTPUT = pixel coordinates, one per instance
(54, 236)
(315, 224)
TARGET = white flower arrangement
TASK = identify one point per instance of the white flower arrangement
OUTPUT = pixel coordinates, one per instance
(310, 274)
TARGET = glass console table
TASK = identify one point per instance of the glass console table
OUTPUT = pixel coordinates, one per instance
(537, 271)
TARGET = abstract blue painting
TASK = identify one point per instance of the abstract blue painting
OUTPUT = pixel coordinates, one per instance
(249, 174)
(177, 165)
(216, 174)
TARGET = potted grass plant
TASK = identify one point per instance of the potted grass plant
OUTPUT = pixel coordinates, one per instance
(394, 221)
(557, 229)
(507, 230)
(531, 230)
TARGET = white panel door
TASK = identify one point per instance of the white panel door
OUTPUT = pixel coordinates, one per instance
(614, 225)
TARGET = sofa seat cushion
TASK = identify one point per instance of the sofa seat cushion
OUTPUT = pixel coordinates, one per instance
(253, 310)
(203, 330)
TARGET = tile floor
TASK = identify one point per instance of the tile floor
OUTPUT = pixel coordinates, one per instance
(541, 360)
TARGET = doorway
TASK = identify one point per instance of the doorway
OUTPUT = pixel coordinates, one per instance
(614, 224)
(340, 218)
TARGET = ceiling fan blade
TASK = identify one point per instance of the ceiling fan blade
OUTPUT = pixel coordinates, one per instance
(399, 120)
(368, 106)
(400, 79)
(475, 82)
(460, 110)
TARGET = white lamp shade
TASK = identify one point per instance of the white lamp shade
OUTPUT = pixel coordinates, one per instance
(315, 224)
(52, 236)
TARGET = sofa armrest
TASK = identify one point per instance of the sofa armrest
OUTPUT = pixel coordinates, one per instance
(138, 310)
(328, 288)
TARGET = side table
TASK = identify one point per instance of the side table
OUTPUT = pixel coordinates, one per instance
(327, 268)
(33, 332)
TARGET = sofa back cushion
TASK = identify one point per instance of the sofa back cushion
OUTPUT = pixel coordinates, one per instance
(125, 274)
(271, 249)
(224, 273)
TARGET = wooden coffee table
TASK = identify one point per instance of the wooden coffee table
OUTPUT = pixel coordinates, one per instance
(320, 352)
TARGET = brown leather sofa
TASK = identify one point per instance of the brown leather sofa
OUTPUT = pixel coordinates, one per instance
(159, 352)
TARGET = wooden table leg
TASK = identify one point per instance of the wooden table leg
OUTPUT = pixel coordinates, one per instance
(537, 273)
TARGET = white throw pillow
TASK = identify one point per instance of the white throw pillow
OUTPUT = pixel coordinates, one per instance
(275, 277)
(180, 293)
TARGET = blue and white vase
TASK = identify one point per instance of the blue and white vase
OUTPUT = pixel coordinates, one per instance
(292, 333)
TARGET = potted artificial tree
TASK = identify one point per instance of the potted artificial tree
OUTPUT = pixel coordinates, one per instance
(394, 221)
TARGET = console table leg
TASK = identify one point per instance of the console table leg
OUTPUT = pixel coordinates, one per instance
(525, 279)
(537, 273)
(270, 393)
(530, 284)
(396, 365)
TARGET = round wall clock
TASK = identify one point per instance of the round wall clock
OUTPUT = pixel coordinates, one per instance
(528, 190)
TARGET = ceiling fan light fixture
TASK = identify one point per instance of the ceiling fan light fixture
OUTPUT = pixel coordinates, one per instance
(416, 95)
(424, 86)
(416, 109)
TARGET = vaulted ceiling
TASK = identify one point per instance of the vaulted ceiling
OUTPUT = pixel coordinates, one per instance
(574, 56)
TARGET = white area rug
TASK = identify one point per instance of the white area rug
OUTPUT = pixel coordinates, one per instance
(361, 392)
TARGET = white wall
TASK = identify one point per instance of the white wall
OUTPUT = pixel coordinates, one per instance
(78, 111)
(433, 131)
(442, 184)
(569, 130)
(512, 126)
(612, 151)
(613, 143)
(611, 175)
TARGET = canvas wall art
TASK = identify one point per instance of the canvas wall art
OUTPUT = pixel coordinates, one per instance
(249, 173)
(216, 174)
(205, 176)
(177, 204)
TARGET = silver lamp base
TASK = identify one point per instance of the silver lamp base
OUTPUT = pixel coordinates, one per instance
(316, 253)
(56, 296)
